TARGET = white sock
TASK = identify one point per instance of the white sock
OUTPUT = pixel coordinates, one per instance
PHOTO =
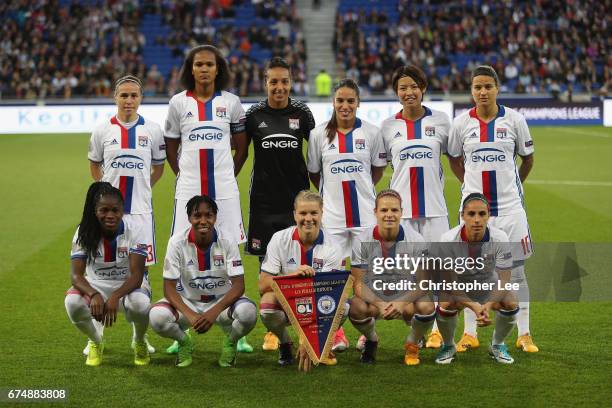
(435, 325)
(137, 306)
(276, 322)
(244, 319)
(522, 321)
(469, 321)
(367, 327)
(421, 324)
(504, 323)
(447, 323)
(163, 322)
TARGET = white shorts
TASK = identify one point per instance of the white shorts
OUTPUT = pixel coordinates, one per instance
(517, 228)
(343, 238)
(225, 317)
(229, 219)
(431, 228)
(146, 223)
(107, 290)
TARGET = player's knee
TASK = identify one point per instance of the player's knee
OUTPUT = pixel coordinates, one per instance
(137, 304)
(246, 313)
(358, 309)
(509, 305)
(160, 317)
(76, 308)
(272, 318)
(425, 308)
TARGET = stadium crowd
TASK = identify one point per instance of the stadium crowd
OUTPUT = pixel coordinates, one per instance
(542, 46)
(65, 48)
(55, 48)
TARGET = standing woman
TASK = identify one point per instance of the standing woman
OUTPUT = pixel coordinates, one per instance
(129, 152)
(205, 121)
(277, 126)
(483, 145)
(107, 273)
(415, 139)
(346, 158)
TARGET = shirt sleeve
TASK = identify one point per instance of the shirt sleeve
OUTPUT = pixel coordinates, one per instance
(96, 147)
(158, 149)
(524, 142)
(233, 260)
(314, 154)
(455, 144)
(309, 123)
(358, 254)
(386, 141)
(173, 262)
(272, 261)
(237, 117)
(378, 155)
(136, 241)
(172, 128)
(443, 131)
(77, 252)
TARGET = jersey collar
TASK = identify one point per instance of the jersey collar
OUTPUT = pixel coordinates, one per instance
(400, 235)
(485, 238)
(398, 115)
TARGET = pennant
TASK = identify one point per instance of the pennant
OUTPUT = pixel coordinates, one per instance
(315, 307)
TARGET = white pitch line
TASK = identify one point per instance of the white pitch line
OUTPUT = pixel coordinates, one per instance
(572, 183)
(582, 132)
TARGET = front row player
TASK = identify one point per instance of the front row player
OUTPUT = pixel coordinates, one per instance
(386, 239)
(107, 273)
(300, 250)
(488, 242)
(203, 285)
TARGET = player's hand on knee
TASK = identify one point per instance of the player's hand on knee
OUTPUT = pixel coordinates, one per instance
(110, 310)
(203, 324)
(96, 305)
(392, 311)
(482, 317)
(304, 361)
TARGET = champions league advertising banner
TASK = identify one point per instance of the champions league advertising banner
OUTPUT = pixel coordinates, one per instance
(315, 307)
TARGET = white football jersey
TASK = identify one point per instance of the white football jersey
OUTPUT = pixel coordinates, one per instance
(206, 164)
(495, 249)
(111, 266)
(126, 156)
(346, 178)
(202, 275)
(369, 246)
(414, 149)
(489, 151)
(285, 253)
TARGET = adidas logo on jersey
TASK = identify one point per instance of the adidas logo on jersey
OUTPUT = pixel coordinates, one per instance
(114, 142)
(189, 115)
(332, 146)
(291, 261)
(473, 135)
(262, 125)
(190, 263)
(398, 134)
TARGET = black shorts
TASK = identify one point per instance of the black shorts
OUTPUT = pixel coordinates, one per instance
(261, 228)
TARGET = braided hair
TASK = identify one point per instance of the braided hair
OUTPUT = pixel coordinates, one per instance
(195, 201)
(90, 231)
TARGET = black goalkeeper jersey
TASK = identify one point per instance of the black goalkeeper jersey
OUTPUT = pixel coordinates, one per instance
(279, 169)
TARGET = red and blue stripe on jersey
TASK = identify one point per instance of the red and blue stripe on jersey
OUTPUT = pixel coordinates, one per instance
(349, 188)
(110, 245)
(306, 255)
(204, 257)
(207, 156)
(388, 252)
(128, 141)
(417, 179)
(489, 177)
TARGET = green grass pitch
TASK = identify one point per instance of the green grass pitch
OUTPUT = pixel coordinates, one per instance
(44, 179)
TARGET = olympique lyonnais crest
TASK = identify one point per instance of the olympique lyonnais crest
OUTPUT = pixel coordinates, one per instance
(143, 141)
(317, 264)
(218, 260)
(360, 144)
(221, 112)
(315, 307)
(430, 131)
(501, 133)
(122, 252)
(294, 124)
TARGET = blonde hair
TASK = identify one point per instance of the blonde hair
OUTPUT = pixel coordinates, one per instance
(307, 195)
(388, 193)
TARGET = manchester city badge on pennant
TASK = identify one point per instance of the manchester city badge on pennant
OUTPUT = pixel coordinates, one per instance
(315, 307)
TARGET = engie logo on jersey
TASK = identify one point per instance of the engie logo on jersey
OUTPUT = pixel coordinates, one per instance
(281, 141)
(416, 152)
(360, 144)
(127, 161)
(346, 166)
(294, 124)
(326, 305)
(501, 133)
(430, 131)
(488, 155)
(218, 260)
(303, 306)
(207, 282)
(206, 133)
